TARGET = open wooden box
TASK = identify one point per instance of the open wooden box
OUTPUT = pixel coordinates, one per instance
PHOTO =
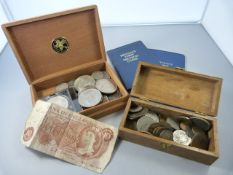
(175, 92)
(44, 68)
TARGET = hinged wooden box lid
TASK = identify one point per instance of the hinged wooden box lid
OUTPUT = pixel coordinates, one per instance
(48, 44)
(182, 89)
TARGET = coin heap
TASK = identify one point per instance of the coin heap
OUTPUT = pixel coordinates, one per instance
(85, 91)
(185, 130)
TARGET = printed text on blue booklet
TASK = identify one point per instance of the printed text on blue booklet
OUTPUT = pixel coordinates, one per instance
(126, 58)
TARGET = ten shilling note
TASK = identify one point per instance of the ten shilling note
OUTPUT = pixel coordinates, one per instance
(69, 136)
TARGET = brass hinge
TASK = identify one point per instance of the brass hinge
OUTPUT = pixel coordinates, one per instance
(200, 113)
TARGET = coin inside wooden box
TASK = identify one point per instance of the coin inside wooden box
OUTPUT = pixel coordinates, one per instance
(58, 48)
(172, 110)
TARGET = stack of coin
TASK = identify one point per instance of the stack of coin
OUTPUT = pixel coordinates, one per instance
(86, 91)
(185, 130)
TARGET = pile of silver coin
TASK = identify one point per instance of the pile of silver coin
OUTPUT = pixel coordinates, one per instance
(85, 91)
(192, 131)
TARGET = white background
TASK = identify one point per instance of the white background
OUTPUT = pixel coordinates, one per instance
(218, 18)
(112, 12)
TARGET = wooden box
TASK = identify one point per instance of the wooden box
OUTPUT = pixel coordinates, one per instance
(175, 92)
(44, 68)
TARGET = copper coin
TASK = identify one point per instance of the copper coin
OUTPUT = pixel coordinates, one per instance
(201, 123)
(197, 130)
(200, 140)
(166, 134)
(187, 128)
(183, 119)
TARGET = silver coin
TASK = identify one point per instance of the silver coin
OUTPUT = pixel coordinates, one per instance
(180, 136)
(136, 109)
(106, 75)
(144, 123)
(136, 115)
(59, 100)
(174, 124)
(106, 86)
(71, 83)
(85, 88)
(153, 115)
(97, 75)
(83, 81)
(61, 87)
(105, 98)
(114, 96)
(89, 97)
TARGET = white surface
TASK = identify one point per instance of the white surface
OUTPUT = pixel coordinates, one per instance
(3, 19)
(128, 158)
(120, 12)
(218, 21)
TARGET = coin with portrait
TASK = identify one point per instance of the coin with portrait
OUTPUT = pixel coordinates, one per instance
(83, 81)
(89, 97)
(106, 86)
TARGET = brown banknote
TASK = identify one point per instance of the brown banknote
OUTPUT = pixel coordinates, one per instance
(69, 136)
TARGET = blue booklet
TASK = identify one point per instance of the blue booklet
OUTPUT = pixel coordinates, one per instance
(125, 60)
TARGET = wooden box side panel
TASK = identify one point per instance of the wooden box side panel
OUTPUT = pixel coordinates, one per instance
(31, 40)
(192, 153)
(187, 90)
(198, 156)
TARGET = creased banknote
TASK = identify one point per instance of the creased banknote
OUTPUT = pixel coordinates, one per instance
(69, 136)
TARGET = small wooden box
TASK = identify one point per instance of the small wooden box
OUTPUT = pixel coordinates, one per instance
(175, 92)
(44, 68)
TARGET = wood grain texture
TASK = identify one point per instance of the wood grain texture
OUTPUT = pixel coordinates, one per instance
(183, 89)
(31, 40)
(47, 87)
(172, 93)
(192, 153)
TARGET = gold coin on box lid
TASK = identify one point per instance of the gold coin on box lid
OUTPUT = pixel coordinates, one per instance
(60, 45)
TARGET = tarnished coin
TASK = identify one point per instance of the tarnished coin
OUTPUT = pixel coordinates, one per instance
(153, 115)
(134, 116)
(105, 98)
(155, 125)
(144, 123)
(179, 136)
(106, 86)
(59, 100)
(137, 108)
(71, 83)
(115, 95)
(201, 123)
(97, 75)
(187, 128)
(200, 140)
(197, 130)
(61, 87)
(85, 88)
(166, 134)
(89, 98)
(83, 81)
(173, 123)
(183, 118)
